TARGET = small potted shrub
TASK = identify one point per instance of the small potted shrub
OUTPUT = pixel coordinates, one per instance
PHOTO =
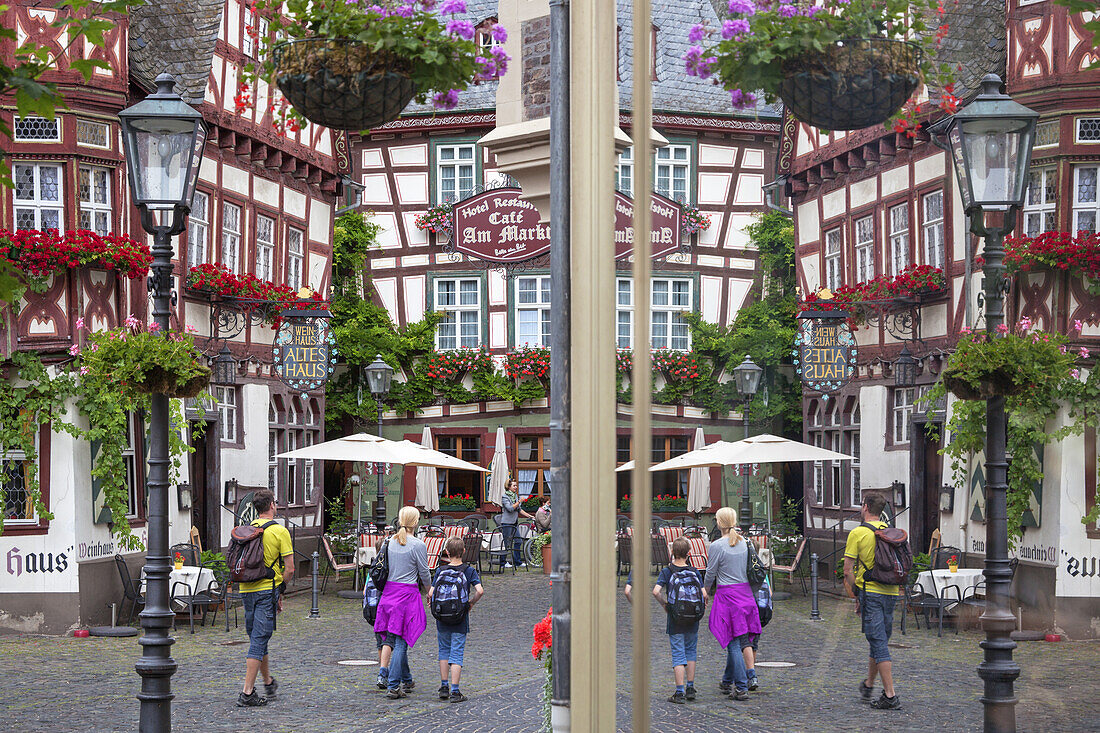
(541, 546)
(354, 66)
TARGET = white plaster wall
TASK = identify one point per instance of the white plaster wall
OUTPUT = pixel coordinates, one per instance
(249, 464)
(880, 467)
(809, 222)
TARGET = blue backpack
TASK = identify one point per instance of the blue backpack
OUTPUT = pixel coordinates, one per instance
(451, 595)
(764, 603)
(685, 596)
(371, 596)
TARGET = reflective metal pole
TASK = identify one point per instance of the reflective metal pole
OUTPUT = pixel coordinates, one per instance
(815, 615)
(746, 504)
(380, 502)
(314, 610)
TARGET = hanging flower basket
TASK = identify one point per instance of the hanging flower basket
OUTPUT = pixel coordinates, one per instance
(160, 381)
(998, 383)
(853, 84)
(341, 84)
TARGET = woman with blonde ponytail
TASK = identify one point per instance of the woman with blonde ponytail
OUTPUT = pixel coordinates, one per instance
(401, 619)
(734, 614)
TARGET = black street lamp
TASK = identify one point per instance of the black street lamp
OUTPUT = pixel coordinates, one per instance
(905, 368)
(990, 144)
(746, 376)
(163, 139)
(225, 368)
(379, 376)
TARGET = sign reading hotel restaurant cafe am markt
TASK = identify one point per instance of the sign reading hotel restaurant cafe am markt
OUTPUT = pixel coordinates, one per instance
(499, 226)
(825, 349)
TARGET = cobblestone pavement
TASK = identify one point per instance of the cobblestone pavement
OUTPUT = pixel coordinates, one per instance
(68, 684)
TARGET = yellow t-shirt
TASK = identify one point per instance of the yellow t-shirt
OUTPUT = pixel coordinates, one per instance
(277, 544)
(861, 548)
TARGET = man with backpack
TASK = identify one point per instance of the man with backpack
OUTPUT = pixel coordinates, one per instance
(679, 589)
(260, 559)
(456, 588)
(876, 561)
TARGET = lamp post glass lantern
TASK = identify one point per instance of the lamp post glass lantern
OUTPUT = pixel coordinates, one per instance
(379, 377)
(163, 139)
(225, 368)
(990, 144)
(905, 369)
(746, 376)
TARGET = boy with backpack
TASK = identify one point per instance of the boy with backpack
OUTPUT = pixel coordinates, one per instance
(456, 588)
(679, 589)
(384, 642)
(877, 560)
(260, 559)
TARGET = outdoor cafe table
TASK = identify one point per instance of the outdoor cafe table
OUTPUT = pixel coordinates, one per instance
(197, 580)
(964, 579)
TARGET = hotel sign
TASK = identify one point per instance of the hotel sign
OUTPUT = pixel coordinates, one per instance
(499, 225)
(825, 353)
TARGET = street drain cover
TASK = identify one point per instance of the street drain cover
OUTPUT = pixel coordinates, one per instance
(357, 662)
(775, 664)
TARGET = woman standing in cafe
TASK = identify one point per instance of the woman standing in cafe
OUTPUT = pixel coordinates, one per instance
(401, 616)
(734, 615)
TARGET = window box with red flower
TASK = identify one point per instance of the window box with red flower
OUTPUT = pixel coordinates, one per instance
(41, 254)
(1057, 252)
(437, 220)
(247, 291)
(528, 363)
(457, 503)
(915, 284)
(693, 221)
(454, 364)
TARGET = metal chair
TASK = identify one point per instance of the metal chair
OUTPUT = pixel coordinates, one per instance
(942, 554)
(129, 590)
(792, 568)
(471, 548)
(476, 521)
(224, 594)
(920, 599)
(191, 599)
(333, 567)
(191, 553)
(499, 554)
(623, 555)
(660, 552)
(622, 521)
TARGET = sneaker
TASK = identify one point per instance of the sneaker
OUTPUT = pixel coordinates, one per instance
(725, 686)
(507, 564)
(396, 693)
(444, 691)
(270, 689)
(865, 692)
(754, 684)
(251, 700)
(457, 696)
(689, 693)
(409, 685)
(887, 703)
(381, 683)
(522, 565)
(678, 697)
(739, 695)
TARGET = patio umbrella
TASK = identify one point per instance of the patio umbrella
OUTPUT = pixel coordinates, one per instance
(698, 481)
(369, 448)
(757, 449)
(499, 467)
(427, 482)
(628, 466)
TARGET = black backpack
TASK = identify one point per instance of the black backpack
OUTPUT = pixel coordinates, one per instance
(755, 569)
(685, 596)
(451, 595)
(371, 596)
(380, 569)
(893, 558)
(245, 556)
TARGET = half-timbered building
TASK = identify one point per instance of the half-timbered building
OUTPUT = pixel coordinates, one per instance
(264, 207)
(873, 202)
(709, 157)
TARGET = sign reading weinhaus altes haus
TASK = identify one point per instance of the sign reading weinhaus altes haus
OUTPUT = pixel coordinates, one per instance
(826, 350)
(499, 226)
(304, 353)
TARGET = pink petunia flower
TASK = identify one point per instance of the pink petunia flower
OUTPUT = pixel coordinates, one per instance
(1077, 326)
(84, 371)
(80, 324)
(1084, 353)
(1075, 373)
(1002, 328)
(74, 349)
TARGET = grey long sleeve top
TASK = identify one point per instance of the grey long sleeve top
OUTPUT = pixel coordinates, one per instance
(409, 563)
(510, 507)
(727, 565)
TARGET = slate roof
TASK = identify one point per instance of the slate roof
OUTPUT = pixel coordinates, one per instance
(176, 36)
(674, 91)
(977, 40)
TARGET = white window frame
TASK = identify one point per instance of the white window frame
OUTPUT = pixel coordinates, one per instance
(1041, 201)
(97, 208)
(17, 456)
(247, 44)
(272, 461)
(899, 238)
(673, 164)
(624, 313)
(834, 245)
(865, 248)
(129, 457)
(836, 472)
(819, 471)
(454, 165)
(292, 443)
(901, 414)
(307, 471)
(198, 230)
(231, 238)
(624, 172)
(854, 494)
(933, 244)
(1088, 208)
(227, 412)
(36, 203)
(457, 314)
(15, 128)
(671, 313)
(296, 257)
(539, 308)
(265, 247)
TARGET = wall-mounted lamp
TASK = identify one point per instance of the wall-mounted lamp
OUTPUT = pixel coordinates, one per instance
(231, 487)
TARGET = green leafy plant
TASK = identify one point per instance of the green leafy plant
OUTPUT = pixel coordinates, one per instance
(421, 39)
(457, 503)
(541, 541)
(139, 359)
(1017, 360)
(215, 561)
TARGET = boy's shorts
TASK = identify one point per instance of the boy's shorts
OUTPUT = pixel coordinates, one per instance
(749, 640)
(384, 640)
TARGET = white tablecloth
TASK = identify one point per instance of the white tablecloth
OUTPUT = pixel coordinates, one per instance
(964, 579)
(197, 580)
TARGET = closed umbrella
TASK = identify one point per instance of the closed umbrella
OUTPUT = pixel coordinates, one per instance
(498, 478)
(698, 481)
(427, 482)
